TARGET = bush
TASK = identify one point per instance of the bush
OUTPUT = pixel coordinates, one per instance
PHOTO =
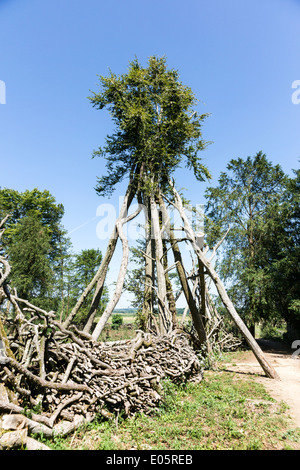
(117, 321)
(272, 331)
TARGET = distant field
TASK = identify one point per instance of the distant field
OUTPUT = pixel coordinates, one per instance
(132, 311)
(128, 315)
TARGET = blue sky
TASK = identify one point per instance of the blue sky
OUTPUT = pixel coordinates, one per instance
(240, 57)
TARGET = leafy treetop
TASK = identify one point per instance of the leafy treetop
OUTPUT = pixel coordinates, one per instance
(155, 126)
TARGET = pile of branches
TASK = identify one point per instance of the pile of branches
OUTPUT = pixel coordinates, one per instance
(63, 377)
(70, 378)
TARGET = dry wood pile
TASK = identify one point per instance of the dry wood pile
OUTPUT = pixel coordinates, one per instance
(70, 378)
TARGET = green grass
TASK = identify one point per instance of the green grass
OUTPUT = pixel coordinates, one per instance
(222, 412)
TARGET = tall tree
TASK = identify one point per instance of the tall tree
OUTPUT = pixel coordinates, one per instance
(294, 253)
(30, 249)
(156, 130)
(40, 204)
(280, 256)
(247, 199)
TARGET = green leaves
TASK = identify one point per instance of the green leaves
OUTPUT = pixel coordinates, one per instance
(39, 204)
(29, 255)
(253, 198)
(32, 238)
(155, 125)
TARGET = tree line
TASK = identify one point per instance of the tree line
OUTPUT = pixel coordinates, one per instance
(45, 269)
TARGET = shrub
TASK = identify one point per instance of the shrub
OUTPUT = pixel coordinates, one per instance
(117, 321)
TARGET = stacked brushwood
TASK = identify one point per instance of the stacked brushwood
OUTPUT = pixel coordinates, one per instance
(71, 378)
(54, 378)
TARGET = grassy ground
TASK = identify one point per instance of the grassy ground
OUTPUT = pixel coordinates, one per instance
(224, 411)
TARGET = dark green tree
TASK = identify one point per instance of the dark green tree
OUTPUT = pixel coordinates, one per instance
(29, 251)
(294, 252)
(249, 199)
(36, 214)
(40, 204)
(280, 256)
(116, 321)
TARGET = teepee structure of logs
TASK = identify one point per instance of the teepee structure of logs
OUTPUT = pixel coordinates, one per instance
(156, 233)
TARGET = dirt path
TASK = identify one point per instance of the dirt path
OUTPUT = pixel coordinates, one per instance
(288, 368)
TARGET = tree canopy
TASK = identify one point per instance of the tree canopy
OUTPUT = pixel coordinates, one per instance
(39, 204)
(156, 127)
(29, 252)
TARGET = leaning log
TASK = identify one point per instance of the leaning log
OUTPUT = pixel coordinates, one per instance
(267, 367)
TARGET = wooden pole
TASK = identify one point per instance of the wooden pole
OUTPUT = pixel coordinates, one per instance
(267, 367)
(121, 277)
(196, 316)
(165, 318)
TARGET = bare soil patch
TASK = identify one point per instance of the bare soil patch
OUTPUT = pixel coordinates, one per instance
(287, 389)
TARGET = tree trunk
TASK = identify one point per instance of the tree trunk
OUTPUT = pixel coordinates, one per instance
(170, 294)
(197, 320)
(202, 291)
(121, 277)
(165, 320)
(147, 309)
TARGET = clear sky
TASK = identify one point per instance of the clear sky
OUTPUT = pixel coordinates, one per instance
(240, 57)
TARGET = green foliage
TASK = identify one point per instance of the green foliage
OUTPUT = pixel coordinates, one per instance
(260, 256)
(155, 126)
(79, 272)
(32, 239)
(43, 266)
(85, 265)
(117, 321)
(29, 251)
(272, 331)
(39, 204)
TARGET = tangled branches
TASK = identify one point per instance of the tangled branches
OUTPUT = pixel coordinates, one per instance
(65, 377)
(70, 378)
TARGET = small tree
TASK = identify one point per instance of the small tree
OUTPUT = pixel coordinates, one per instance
(78, 273)
(117, 321)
